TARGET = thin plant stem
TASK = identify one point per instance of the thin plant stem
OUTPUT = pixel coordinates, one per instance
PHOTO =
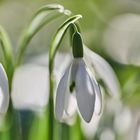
(51, 114)
(65, 133)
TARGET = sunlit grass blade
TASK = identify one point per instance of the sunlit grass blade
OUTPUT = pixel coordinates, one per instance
(57, 39)
(42, 17)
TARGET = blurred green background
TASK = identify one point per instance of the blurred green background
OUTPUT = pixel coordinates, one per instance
(112, 29)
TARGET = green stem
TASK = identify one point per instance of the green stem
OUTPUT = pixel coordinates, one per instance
(13, 123)
(65, 133)
(51, 113)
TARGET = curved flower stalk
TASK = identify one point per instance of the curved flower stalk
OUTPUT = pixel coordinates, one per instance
(42, 17)
(4, 91)
(79, 79)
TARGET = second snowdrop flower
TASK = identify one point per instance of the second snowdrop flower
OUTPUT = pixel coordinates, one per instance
(78, 80)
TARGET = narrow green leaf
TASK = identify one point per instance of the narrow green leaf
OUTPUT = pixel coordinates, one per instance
(7, 52)
(57, 39)
(6, 45)
(42, 17)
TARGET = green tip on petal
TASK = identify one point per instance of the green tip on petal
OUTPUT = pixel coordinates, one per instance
(72, 86)
(77, 47)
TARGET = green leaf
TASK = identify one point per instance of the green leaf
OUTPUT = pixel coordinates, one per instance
(7, 52)
(6, 45)
(41, 18)
(58, 37)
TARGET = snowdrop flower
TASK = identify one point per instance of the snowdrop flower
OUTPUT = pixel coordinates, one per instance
(79, 79)
(4, 91)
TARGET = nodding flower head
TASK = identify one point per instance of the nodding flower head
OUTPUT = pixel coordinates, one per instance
(78, 80)
(4, 91)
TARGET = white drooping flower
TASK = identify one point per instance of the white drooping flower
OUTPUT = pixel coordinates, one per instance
(79, 81)
(78, 77)
(31, 97)
(4, 91)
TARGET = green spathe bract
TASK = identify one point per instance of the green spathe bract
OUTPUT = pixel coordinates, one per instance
(77, 47)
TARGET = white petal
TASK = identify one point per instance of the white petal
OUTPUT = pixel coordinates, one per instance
(4, 91)
(62, 96)
(98, 101)
(104, 71)
(30, 88)
(70, 113)
(70, 100)
(72, 105)
(85, 93)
